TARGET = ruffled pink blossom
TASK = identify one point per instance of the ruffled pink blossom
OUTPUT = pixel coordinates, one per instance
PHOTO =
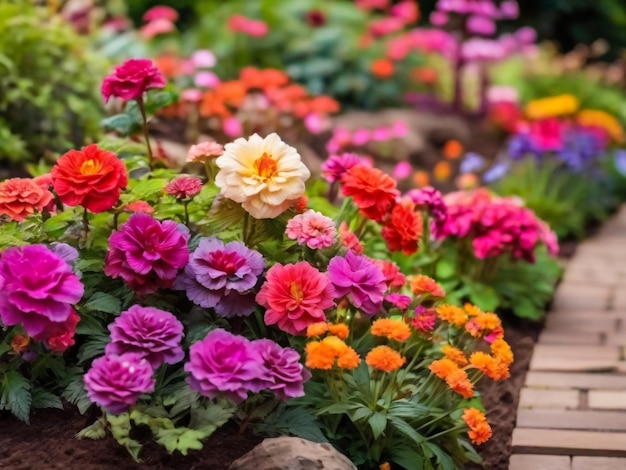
(131, 80)
(204, 151)
(312, 229)
(241, 24)
(184, 187)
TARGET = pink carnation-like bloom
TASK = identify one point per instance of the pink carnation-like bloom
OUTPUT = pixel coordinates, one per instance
(223, 364)
(37, 290)
(117, 382)
(359, 280)
(62, 336)
(146, 253)
(312, 229)
(284, 373)
(160, 12)
(295, 296)
(154, 334)
(424, 319)
(184, 187)
(241, 24)
(204, 151)
(131, 79)
(156, 27)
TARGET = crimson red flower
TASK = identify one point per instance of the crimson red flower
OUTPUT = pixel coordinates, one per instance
(90, 177)
(403, 229)
(373, 191)
(63, 336)
(21, 197)
(130, 80)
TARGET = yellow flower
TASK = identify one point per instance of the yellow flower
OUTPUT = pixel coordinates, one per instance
(552, 106)
(265, 175)
(597, 118)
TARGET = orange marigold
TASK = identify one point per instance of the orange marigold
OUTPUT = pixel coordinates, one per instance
(479, 429)
(340, 330)
(480, 434)
(392, 329)
(373, 191)
(454, 354)
(460, 383)
(442, 368)
(316, 329)
(349, 359)
(452, 314)
(319, 356)
(486, 364)
(421, 284)
(403, 229)
(384, 358)
(502, 351)
(472, 310)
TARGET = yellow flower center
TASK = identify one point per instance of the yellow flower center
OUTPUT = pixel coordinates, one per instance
(296, 292)
(90, 167)
(265, 166)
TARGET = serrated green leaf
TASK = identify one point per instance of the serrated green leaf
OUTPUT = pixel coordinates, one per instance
(103, 302)
(94, 431)
(16, 395)
(93, 347)
(43, 398)
(76, 394)
(120, 426)
(182, 439)
(148, 189)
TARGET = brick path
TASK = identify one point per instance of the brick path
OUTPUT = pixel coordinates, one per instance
(572, 410)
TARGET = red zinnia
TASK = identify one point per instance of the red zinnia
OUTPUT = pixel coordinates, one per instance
(403, 229)
(21, 197)
(373, 191)
(91, 177)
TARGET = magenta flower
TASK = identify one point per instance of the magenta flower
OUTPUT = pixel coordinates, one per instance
(160, 12)
(359, 280)
(429, 199)
(117, 382)
(184, 187)
(223, 364)
(424, 319)
(146, 253)
(131, 79)
(312, 229)
(37, 290)
(398, 300)
(479, 24)
(152, 333)
(337, 165)
(285, 373)
(241, 24)
(222, 277)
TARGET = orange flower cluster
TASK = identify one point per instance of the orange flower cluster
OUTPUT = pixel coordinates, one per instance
(479, 429)
(384, 358)
(454, 354)
(391, 329)
(421, 284)
(323, 354)
(604, 121)
(340, 330)
(452, 314)
(482, 323)
(403, 228)
(455, 377)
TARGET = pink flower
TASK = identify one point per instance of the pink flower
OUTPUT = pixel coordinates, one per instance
(372, 4)
(232, 127)
(509, 9)
(156, 27)
(184, 187)
(139, 206)
(424, 319)
(206, 79)
(203, 58)
(337, 165)
(204, 151)
(314, 123)
(386, 26)
(483, 25)
(438, 18)
(191, 95)
(361, 136)
(312, 229)
(349, 239)
(241, 24)
(402, 170)
(295, 296)
(62, 336)
(406, 10)
(131, 79)
(399, 129)
(380, 134)
(398, 300)
(160, 12)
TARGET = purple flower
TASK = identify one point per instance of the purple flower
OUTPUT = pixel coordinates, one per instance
(431, 200)
(509, 9)
(223, 364)
(37, 290)
(146, 253)
(284, 372)
(337, 165)
(496, 172)
(619, 160)
(472, 162)
(479, 24)
(117, 382)
(222, 277)
(152, 333)
(65, 251)
(359, 280)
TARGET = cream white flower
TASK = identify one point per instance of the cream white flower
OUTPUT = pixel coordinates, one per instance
(265, 175)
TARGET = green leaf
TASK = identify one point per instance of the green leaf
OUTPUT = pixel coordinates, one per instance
(181, 439)
(148, 189)
(120, 428)
(484, 296)
(445, 268)
(94, 431)
(123, 124)
(76, 394)
(213, 415)
(378, 423)
(525, 308)
(16, 395)
(294, 421)
(93, 347)
(159, 99)
(103, 302)
(43, 398)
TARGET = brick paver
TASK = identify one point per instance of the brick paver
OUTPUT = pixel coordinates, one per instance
(572, 409)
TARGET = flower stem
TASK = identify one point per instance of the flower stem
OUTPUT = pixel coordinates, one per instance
(185, 205)
(85, 224)
(142, 110)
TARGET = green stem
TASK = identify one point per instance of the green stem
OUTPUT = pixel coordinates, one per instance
(185, 205)
(85, 224)
(142, 110)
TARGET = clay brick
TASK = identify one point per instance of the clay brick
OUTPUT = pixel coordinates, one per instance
(598, 463)
(539, 462)
(607, 399)
(576, 380)
(572, 296)
(548, 398)
(586, 420)
(563, 442)
(575, 358)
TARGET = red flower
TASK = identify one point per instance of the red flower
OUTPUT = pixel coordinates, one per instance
(91, 177)
(373, 191)
(403, 229)
(130, 80)
(184, 187)
(63, 336)
(21, 197)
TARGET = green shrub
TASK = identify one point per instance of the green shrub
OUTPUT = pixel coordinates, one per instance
(49, 84)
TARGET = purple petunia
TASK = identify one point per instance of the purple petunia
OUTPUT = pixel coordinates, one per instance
(152, 333)
(359, 280)
(37, 290)
(146, 253)
(222, 276)
(116, 382)
(223, 364)
(283, 370)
